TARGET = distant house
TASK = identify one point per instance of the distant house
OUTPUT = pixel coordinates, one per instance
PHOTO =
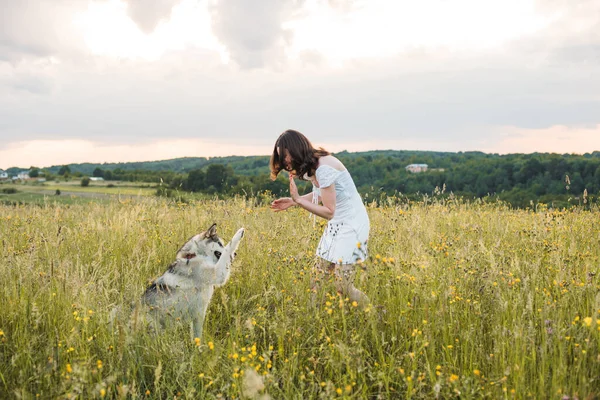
(96, 178)
(415, 168)
(3, 175)
(23, 175)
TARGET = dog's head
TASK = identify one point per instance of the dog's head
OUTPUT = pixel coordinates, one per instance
(204, 244)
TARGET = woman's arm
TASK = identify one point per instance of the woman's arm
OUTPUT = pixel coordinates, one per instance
(284, 203)
(327, 210)
(308, 196)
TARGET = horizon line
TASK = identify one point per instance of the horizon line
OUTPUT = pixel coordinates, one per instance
(333, 152)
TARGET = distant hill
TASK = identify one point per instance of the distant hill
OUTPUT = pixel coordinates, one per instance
(181, 165)
(517, 178)
(257, 165)
(249, 165)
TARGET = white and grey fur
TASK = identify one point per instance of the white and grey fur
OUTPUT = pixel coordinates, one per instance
(185, 289)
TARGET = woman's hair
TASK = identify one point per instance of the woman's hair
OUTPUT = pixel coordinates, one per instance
(305, 158)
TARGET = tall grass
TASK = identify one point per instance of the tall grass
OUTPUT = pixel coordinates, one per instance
(469, 300)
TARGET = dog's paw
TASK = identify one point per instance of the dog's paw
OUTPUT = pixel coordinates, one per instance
(239, 235)
(235, 242)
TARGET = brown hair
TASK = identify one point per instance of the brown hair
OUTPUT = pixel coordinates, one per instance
(305, 157)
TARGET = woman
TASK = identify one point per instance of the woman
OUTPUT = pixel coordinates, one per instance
(344, 241)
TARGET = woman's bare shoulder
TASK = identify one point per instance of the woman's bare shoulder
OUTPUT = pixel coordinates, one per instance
(331, 161)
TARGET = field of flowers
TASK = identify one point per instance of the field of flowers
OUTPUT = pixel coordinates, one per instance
(469, 300)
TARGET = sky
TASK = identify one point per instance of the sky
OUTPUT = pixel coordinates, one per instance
(137, 80)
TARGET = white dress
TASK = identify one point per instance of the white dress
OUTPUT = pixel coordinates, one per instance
(345, 238)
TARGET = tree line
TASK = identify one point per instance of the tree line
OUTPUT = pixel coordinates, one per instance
(515, 178)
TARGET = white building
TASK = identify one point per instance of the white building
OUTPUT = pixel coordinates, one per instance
(3, 174)
(23, 175)
(415, 168)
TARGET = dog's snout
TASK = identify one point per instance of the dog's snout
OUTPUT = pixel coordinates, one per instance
(218, 254)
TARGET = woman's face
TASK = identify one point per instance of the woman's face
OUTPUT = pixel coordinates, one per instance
(287, 161)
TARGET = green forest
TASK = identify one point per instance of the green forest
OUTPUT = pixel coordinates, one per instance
(519, 179)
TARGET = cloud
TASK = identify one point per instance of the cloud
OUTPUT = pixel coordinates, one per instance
(572, 37)
(253, 32)
(424, 96)
(461, 99)
(46, 153)
(343, 5)
(37, 28)
(44, 28)
(554, 139)
(148, 13)
(31, 84)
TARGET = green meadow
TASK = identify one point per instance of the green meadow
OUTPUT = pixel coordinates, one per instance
(71, 192)
(469, 300)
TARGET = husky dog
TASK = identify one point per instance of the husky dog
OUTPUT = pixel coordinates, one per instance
(185, 289)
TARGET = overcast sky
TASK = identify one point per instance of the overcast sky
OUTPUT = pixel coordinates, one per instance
(136, 80)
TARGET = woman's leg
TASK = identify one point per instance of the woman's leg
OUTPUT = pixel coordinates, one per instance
(343, 276)
(344, 283)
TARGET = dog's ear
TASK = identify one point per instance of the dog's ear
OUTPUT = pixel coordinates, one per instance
(189, 248)
(211, 232)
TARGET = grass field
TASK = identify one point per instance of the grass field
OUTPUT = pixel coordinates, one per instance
(469, 301)
(71, 192)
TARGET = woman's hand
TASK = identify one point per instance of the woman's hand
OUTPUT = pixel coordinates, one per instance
(294, 190)
(282, 204)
